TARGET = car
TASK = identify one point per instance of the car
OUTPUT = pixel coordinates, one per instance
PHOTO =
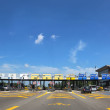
(93, 87)
(86, 89)
(106, 89)
(99, 88)
(7, 88)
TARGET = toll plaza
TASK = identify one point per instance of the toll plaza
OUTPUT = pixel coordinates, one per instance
(58, 81)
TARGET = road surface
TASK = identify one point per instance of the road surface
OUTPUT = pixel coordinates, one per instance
(58, 100)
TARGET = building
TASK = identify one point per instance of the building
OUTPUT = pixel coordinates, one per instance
(103, 70)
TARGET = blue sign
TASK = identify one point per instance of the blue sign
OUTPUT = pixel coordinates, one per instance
(93, 77)
(82, 77)
(105, 76)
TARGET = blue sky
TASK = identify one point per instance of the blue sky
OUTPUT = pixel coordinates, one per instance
(54, 36)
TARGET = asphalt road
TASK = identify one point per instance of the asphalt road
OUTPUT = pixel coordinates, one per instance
(58, 100)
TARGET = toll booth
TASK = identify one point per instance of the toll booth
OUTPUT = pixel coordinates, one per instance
(93, 77)
(82, 77)
(105, 80)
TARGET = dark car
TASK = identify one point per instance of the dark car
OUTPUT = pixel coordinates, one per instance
(1, 88)
(106, 89)
(86, 89)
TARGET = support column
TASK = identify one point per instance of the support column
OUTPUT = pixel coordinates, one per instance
(76, 83)
(43, 85)
(62, 85)
(87, 83)
(2, 83)
(73, 85)
(9, 83)
(40, 83)
(65, 83)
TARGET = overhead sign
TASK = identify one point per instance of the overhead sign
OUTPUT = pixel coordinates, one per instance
(47, 76)
(12, 76)
(34, 76)
(93, 76)
(70, 77)
(58, 76)
(105, 76)
(82, 77)
(24, 76)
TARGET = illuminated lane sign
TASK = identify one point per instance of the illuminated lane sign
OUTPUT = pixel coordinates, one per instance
(34, 76)
(82, 77)
(70, 77)
(93, 76)
(105, 76)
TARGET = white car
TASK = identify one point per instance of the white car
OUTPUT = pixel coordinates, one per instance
(6, 88)
(93, 87)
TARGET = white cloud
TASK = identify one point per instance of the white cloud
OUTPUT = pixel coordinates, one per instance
(26, 65)
(44, 69)
(39, 39)
(81, 45)
(88, 71)
(10, 68)
(53, 36)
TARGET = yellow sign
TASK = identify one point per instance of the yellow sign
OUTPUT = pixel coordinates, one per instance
(58, 76)
(47, 76)
(70, 77)
(34, 76)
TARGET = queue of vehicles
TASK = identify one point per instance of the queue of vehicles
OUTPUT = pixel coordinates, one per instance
(92, 88)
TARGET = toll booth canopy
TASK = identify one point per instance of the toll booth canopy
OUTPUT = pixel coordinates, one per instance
(93, 77)
(82, 77)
